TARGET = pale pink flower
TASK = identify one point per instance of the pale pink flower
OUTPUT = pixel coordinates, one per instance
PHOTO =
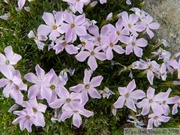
(93, 53)
(65, 45)
(88, 86)
(53, 25)
(106, 92)
(176, 101)
(75, 110)
(176, 65)
(41, 82)
(10, 59)
(150, 25)
(66, 98)
(128, 96)
(151, 101)
(130, 23)
(38, 110)
(75, 25)
(94, 30)
(156, 119)
(135, 46)
(38, 39)
(109, 44)
(25, 119)
(150, 67)
(140, 13)
(119, 30)
(12, 84)
(103, 1)
(77, 5)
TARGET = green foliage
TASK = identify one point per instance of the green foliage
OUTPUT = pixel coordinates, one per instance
(14, 32)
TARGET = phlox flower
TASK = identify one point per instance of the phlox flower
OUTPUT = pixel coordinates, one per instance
(176, 101)
(130, 23)
(88, 86)
(93, 53)
(94, 30)
(135, 46)
(77, 5)
(52, 87)
(140, 13)
(75, 110)
(150, 25)
(38, 110)
(53, 25)
(41, 82)
(10, 59)
(74, 25)
(150, 67)
(12, 84)
(64, 76)
(137, 123)
(151, 101)
(128, 96)
(106, 92)
(66, 98)
(109, 45)
(25, 119)
(65, 45)
(85, 41)
(165, 101)
(156, 119)
(119, 30)
(176, 65)
(38, 39)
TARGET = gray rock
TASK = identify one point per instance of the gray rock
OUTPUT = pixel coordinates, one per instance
(167, 14)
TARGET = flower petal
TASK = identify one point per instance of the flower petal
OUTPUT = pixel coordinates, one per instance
(120, 102)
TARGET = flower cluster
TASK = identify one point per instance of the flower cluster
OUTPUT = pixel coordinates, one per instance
(71, 32)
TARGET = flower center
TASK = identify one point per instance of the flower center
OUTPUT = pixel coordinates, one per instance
(111, 44)
(72, 25)
(151, 100)
(52, 87)
(87, 86)
(27, 117)
(34, 110)
(36, 37)
(10, 81)
(156, 117)
(77, 0)
(7, 62)
(118, 33)
(127, 95)
(99, 39)
(68, 100)
(129, 25)
(54, 27)
(146, 25)
(164, 102)
(133, 43)
(16, 87)
(92, 53)
(179, 103)
(64, 44)
(75, 111)
(83, 43)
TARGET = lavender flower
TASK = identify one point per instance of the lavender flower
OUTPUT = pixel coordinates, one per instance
(128, 96)
(88, 86)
